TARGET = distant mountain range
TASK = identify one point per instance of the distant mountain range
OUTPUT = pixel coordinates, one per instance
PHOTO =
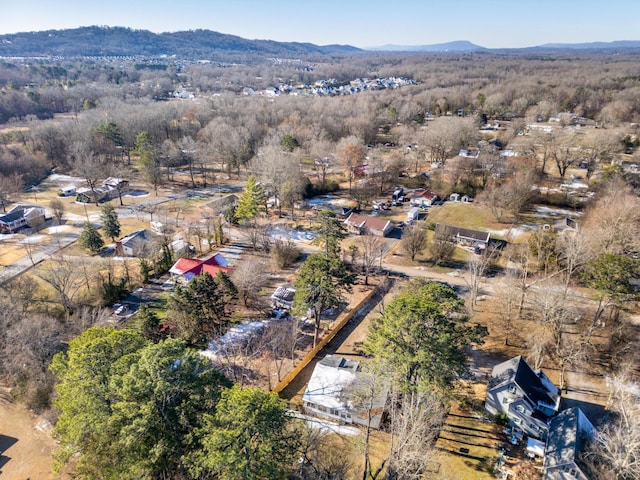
(206, 44)
(120, 41)
(457, 46)
(466, 46)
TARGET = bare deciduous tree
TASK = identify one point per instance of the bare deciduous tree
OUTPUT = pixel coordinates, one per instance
(250, 277)
(443, 246)
(415, 422)
(612, 224)
(371, 249)
(615, 451)
(57, 208)
(65, 278)
(414, 240)
(477, 266)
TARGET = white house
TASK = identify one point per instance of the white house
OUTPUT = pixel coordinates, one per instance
(21, 216)
(423, 198)
(362, 224)
(329, 393)
(133, 244)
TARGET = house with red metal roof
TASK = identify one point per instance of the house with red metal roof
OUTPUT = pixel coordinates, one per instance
(187, 268)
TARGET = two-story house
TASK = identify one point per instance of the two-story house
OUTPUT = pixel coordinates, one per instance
(569, 432)
(528, 398)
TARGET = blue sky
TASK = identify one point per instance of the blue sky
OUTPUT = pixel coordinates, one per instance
(361, 23)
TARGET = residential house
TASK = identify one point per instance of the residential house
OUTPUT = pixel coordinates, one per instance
(464, 236)
(135, 243)
(218, 206)
(20, 217)
(111, 188)
(181, 247)
(423, 198)
(362, 224)
(187, 268)
(528, 398)
(329, 393)
(568, 434)
(283, 297)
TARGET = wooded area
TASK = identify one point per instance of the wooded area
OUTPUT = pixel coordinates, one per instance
(499, 137)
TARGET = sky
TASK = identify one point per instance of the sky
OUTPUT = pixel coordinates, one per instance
(361, 23)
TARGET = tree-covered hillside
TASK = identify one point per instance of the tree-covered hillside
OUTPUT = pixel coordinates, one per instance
(120, 41)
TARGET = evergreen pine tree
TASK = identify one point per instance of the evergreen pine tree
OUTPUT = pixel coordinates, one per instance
(250, 200)
(110, 223)
(90, 238)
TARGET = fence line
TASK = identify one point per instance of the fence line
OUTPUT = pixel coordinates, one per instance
(325, 340)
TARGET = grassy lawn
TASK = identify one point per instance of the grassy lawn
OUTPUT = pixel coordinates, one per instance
(10, 253)
(465, 215)
(467, 446)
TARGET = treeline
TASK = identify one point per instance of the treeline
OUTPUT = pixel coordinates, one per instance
(494, 84)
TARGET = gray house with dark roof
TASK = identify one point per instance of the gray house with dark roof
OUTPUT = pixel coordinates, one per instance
(528, 398)
(465, 236)
(568, 434)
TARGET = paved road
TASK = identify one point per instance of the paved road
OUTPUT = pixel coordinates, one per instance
(59, 242)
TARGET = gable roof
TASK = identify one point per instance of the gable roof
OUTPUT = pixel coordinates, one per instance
(330, 377)
(517, 370)
(191, 267)
(428, 194)
(184, 265)
(464, 233)
(132, 239)
(568, 434)
(365, 221)
(221, 203)
(15, 214)
(213, 270)
(284, 294)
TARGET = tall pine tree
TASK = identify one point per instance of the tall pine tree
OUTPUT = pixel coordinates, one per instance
(110, 223)
(250, 200)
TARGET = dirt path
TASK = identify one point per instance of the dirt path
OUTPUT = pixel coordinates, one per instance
(25, 444)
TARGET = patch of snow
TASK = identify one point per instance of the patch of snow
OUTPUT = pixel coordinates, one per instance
(58, 178)
(136, 193)
(33, 239)
(57, 229)
(326, 426)
(511, 232)
(554, 212)
(284, 233)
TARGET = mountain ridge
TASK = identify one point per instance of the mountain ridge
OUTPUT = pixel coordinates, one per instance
(109, 41)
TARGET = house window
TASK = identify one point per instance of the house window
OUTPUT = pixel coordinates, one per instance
(512, 390)
(505, 400)
(520, 408)
(517, 421)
